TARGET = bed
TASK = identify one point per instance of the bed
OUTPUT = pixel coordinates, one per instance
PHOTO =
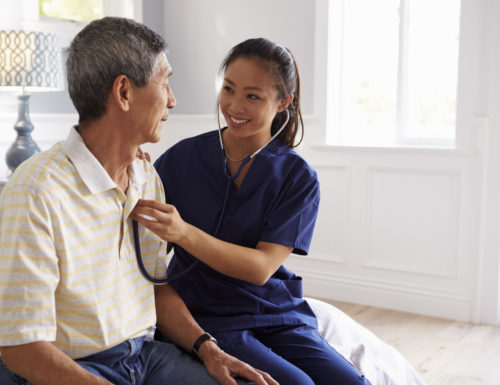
(381, 363)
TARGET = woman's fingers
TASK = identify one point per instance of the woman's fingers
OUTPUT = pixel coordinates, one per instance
(153, 209)
(162, 219)
(153, 213)
(154, 226)
(143, 155)
(155, 205)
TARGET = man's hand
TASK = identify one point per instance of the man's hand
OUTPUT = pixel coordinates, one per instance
(176, 322)
(225, 368)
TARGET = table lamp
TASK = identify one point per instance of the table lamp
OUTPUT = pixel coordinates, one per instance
(29, 62)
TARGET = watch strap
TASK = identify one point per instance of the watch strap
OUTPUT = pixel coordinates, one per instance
(200, 340)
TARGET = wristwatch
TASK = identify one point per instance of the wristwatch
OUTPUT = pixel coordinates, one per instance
(200, 340)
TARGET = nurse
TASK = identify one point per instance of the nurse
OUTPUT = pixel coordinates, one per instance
(240, 200)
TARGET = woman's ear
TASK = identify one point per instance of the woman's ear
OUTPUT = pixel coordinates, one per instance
(284, 103)
(122, 92)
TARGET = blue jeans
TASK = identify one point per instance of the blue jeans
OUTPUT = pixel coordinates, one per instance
(137, 362)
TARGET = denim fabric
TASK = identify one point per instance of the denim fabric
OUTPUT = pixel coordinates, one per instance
(137, 362)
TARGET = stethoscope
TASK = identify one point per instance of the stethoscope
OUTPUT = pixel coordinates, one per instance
(230, 179)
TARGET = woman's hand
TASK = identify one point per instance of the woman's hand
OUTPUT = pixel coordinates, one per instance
(164, 221)
(143, 155)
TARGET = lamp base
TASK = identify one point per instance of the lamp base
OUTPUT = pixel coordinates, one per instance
(24, 146)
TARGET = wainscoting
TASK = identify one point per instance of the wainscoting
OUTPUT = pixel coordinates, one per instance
(398, 228)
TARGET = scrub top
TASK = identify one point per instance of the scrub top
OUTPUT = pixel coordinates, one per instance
(277, 202)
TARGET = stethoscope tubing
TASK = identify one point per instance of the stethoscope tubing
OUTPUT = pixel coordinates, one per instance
(230, 179)
(140, 262)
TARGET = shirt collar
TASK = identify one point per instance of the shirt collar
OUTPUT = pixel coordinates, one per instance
(90, 169)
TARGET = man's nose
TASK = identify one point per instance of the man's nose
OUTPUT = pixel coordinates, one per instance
(171, 101)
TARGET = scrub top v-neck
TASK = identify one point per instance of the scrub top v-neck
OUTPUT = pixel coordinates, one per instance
(276, 202)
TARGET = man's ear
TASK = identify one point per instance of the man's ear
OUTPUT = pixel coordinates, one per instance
(122, 92)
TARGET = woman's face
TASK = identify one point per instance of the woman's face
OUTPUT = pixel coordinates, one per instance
(248, 99)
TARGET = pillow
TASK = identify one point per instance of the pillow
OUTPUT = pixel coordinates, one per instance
(380, 362)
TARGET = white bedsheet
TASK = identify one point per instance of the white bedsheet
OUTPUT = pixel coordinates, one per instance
(381, 363)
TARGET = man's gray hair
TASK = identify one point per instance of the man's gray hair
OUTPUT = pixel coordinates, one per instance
(103, 50)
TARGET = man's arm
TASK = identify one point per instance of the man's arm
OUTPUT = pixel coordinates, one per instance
(41, 363)
(176, 322)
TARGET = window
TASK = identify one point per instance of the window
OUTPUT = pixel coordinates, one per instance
(67, 17)
(82, 10)
(393, 68)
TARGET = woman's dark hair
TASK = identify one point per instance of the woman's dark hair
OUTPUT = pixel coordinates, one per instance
(284, 71)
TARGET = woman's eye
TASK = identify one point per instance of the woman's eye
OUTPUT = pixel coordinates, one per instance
(253, 97)
(227, 89)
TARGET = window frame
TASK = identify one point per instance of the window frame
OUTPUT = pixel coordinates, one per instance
(330, 12)
(67, 29)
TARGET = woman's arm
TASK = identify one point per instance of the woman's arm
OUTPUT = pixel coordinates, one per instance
(251, 265)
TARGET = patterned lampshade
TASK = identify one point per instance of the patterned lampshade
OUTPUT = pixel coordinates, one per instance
(31, 61)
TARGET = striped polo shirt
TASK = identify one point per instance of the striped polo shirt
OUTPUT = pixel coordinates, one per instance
(68, 269)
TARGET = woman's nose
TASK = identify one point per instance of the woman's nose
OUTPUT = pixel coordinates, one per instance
(237, 105)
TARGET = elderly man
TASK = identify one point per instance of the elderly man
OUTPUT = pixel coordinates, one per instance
(74, 307)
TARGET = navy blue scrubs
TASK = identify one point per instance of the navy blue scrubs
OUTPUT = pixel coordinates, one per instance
(277, 202)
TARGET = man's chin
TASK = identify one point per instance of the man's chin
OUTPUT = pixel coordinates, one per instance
(154, 140)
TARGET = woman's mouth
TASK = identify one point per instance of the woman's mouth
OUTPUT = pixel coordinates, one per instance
(237, 122)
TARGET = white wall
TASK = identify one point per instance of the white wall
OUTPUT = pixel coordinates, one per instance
(410, 229)
(200, 33)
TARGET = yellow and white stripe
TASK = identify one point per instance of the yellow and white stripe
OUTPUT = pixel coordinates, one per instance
(68, 271)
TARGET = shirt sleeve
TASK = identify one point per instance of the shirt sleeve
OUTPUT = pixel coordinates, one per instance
(291, 218)
(29, 270)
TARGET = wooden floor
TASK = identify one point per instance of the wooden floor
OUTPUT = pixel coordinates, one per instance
(444, 352)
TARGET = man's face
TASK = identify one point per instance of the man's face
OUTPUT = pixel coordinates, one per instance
(152, 102)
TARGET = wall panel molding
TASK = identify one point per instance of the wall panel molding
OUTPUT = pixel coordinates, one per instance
(402, 296)
(412, 220)
(333, 233)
